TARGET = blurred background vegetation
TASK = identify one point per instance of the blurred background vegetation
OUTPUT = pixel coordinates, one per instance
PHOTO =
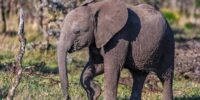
(43, 19)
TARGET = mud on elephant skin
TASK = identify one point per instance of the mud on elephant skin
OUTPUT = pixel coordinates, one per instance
(118, 36)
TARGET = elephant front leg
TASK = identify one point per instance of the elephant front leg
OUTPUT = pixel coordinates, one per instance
(114, 59)
(90, 71)
(111, 76)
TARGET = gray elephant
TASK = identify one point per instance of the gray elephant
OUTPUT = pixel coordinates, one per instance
(118, 36)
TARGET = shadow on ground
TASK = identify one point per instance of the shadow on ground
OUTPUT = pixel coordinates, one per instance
(10, 33)
(184, 40)
(9, 67)
(42, 67)
(178, 31)
(194, 97)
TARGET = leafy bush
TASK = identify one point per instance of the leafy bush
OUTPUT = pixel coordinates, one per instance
(172, 17)
(197, 3)
(33, 37)
(189, 25)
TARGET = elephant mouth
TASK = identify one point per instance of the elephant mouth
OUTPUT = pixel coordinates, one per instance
(73, 49)
(76, 46)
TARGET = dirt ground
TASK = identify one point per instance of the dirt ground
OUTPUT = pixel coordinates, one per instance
(187, 61)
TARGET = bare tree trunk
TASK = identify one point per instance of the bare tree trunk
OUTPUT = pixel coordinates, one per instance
(40, 12)
(9, 6)
(42, 27)
(193, 13)
(18, 64)
(182, 6)
(3, 15)
(173, 4)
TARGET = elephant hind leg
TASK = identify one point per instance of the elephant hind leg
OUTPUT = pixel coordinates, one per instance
(90, 71)
(165, 74)
(138, 82)
(166, 77)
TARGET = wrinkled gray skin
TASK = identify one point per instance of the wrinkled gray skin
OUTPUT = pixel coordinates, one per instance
(138, 38)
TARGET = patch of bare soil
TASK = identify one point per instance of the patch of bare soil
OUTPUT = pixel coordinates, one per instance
(187, 61)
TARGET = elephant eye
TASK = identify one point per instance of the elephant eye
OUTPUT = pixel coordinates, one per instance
(75, 28)
(77, 31)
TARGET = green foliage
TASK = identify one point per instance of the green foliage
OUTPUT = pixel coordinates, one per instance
(172, 17)
(189, 25)
(197, 3)
(33, 37)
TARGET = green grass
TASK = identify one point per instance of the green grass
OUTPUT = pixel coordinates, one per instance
(35, 87)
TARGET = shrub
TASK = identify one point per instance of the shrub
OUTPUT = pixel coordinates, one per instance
(189, 25)
(172, 17)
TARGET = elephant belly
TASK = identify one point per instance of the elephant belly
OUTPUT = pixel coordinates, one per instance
(147, 45)
(147, 35)
(146, 55)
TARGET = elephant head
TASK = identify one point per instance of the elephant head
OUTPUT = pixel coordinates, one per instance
(90, 23)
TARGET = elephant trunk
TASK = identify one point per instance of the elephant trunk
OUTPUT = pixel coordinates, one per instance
(62, 53)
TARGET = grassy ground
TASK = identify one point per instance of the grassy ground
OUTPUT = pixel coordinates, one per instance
(35, 87)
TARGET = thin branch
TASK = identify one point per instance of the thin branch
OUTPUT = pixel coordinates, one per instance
(3, 15)
(18, 64)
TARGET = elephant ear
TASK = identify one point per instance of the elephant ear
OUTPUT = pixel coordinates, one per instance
(111, 17)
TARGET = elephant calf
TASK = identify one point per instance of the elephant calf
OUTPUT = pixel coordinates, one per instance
(118, 36)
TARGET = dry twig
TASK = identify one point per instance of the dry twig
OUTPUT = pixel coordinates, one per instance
(18, 64)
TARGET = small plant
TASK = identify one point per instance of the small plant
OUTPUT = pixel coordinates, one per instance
(172, 17)
(189, 25)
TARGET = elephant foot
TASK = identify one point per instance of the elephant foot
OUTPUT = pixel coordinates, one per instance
(92, 89)
(97, 92)
(89, 73)
(67, 98)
